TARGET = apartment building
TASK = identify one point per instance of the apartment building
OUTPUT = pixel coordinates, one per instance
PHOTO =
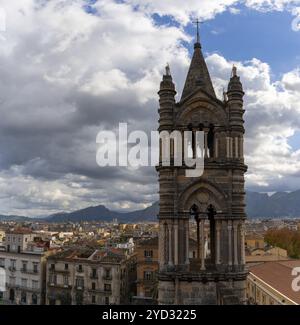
(82, 276)
(23, 265)
(147, 269)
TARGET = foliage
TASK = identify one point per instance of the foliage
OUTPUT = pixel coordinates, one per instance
(286, 239)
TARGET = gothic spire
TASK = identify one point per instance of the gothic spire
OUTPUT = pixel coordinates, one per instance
(198, 74)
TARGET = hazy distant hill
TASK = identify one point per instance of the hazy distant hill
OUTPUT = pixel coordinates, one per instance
(14, 218)
(259, 205)
(102, 213)
(280, 204)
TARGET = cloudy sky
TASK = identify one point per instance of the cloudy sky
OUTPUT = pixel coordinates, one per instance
(70, 68)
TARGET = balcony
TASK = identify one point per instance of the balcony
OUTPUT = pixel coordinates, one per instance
(59, 285)
(26, 271)
(80, 288)
(94, 276)
(12, 269)
(30, 289)
(101, 291)
(62, 271)
(79, 270)
(52, 284)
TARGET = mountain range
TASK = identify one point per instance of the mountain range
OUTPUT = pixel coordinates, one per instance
(259, 205)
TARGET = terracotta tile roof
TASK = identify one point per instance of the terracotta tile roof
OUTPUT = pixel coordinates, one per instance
(149, 242)
(279, 276)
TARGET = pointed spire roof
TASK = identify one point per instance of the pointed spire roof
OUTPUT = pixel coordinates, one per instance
(198, 75)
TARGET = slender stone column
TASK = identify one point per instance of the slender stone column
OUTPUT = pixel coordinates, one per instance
(176, 244)
(162, 243)
(218, 242)
(236, 147)
(205, 145)
(242, 234)
(235, 243)
(229, 243)
(202, 245)
(187, 251)
(242, 147)
(227, 147)
(216, 151)
(170, 245)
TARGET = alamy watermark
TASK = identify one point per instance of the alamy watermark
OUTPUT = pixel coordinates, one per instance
(165, 148)
(296, 280)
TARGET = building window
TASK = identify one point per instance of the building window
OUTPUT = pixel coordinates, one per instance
(106, 300)
(107, 287)
(24, 283)
(93, 286)
(263, 299)
(93, 299)
(66, 267)
(107, 274)
(148, 253)
(79, 298)
(13, 264)
(94, 273)
(2, 262)
(52, 267)
(23, 297)
(35, 284)
(79, 283)
(34, 299)
(79, 269)
(35, 267)
(24, 266)
(148, 275)
(52, 278)
(66, 280)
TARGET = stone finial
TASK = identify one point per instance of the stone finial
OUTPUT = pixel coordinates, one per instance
(234, 71)
(168, 70)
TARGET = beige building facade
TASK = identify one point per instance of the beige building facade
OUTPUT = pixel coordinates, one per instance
(23, 262)
(83, 277)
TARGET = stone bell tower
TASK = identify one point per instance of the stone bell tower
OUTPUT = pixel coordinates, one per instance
(210, 208)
